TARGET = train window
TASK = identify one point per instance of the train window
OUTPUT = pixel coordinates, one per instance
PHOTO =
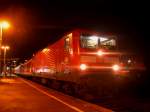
(68, 42)
(94, 42)
(108, 43)
(88, 41)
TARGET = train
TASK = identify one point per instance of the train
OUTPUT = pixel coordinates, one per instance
(83, 62)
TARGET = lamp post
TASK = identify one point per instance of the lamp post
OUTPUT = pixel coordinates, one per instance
(5, 25)
(5, 48)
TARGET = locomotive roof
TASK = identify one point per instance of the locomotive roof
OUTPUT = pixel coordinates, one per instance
(81, 30)
(108, 34)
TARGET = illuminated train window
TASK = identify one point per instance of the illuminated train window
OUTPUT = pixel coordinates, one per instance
(68, 42)
(94, 42)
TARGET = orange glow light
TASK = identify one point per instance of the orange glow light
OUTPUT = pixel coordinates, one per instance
(4, 24)
(45, 50)
(5, 47)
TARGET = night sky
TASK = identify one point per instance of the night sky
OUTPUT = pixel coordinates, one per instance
(35, 24)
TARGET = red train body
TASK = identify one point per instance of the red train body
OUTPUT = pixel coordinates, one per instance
(82, 57)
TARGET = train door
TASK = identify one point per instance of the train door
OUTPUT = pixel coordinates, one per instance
(68, 50)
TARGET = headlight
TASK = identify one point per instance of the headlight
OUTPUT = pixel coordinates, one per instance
(115, 67)
(83, 66)
(129, 61)
(100, 53)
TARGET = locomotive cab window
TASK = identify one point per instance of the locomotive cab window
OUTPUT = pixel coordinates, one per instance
(95, 42)
(68, 42)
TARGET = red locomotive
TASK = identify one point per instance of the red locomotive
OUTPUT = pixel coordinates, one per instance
(81, 61)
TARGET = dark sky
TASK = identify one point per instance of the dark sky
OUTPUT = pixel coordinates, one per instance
(35, 24)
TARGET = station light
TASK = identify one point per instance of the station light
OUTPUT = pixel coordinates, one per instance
(4, 24)
(5, 47)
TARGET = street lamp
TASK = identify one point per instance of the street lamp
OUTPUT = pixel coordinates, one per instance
(5, 25)
(5, 48)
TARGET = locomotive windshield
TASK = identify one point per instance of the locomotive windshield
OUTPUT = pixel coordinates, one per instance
(95, 42)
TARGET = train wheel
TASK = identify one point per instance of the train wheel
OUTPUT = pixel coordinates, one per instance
(49, 83)
(68, 89)
(82, 92)
(55, 85)
(44, 81)
(36, 79)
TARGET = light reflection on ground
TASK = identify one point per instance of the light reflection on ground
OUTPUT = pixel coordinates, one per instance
(8, 80)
